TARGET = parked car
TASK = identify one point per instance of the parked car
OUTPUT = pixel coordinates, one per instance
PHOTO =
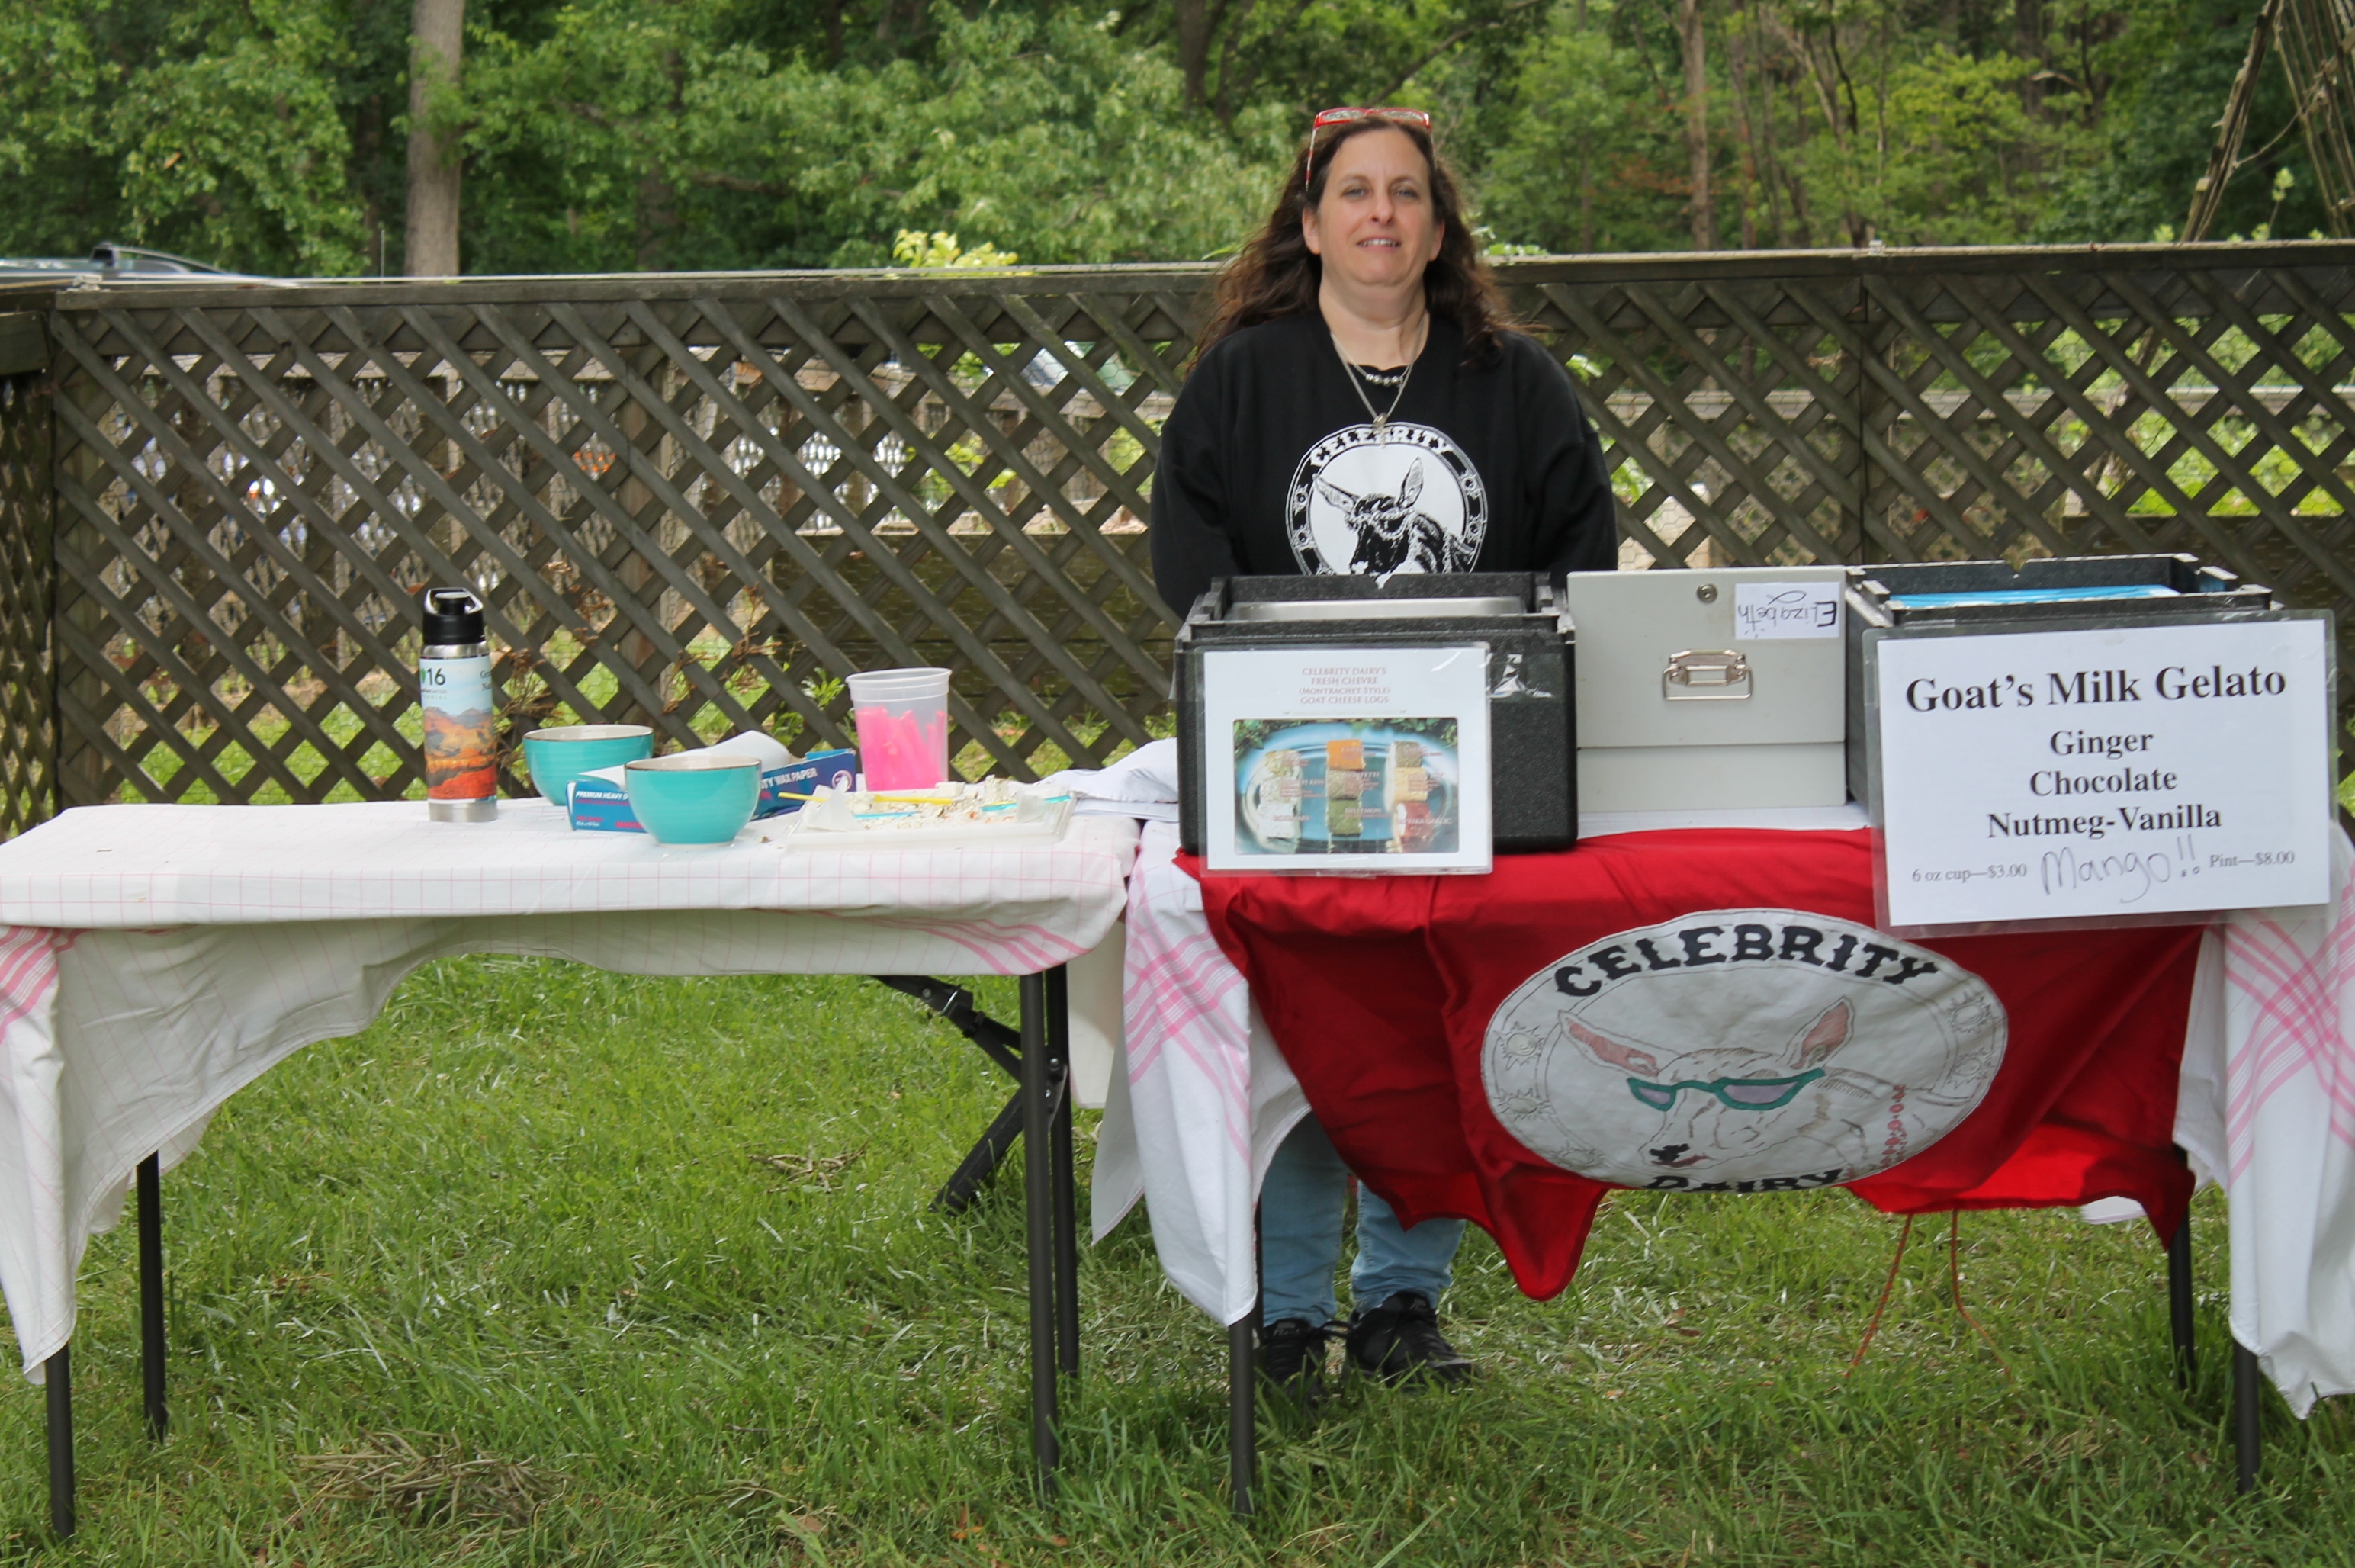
(109, 261)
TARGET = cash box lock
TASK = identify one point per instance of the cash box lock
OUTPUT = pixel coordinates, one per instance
(1706, 675)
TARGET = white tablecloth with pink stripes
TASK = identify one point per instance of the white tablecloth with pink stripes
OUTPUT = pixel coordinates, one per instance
(1201, 1097)
(155, 959)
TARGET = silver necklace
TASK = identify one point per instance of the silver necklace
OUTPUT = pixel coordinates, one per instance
(1351, 373)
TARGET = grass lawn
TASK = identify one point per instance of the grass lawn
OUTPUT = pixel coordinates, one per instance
(558, 1266)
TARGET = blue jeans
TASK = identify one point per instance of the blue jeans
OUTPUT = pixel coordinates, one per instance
(1300, 1208)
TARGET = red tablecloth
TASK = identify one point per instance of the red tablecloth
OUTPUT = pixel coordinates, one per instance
(1578, 993)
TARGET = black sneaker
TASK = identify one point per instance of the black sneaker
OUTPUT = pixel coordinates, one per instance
(1399, 1340)
(1291, 1357)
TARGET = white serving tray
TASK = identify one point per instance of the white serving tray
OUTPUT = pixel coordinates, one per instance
(1038, 818)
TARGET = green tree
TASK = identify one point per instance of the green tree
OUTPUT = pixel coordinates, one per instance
(221, 128)
(615, 135)
(232, 141)
(2172, 63)
(1957, 158)
(61, 65)
(1052, 137)
(1591, 159)
(1831, 122)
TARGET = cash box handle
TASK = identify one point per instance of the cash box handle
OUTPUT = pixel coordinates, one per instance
(1706, 675)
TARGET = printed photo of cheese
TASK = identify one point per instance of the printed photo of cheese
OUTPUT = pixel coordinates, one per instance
(1362, 789)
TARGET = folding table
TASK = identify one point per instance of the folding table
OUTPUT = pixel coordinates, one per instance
(1203, 1096)
(154, 959)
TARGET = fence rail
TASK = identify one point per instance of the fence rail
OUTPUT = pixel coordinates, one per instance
(695, 501)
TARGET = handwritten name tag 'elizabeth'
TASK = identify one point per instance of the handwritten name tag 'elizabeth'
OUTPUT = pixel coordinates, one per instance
(1766, 611)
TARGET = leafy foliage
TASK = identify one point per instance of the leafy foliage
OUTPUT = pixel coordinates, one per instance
(214, 126)
(619, 134)
(1048, 135)
(914, 248)
(2174, 62)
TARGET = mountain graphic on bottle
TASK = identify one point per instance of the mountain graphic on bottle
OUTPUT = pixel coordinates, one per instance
(461, 754)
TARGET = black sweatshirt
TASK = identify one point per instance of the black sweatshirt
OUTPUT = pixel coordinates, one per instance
(1270, 465)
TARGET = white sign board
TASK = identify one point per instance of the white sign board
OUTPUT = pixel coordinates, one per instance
(2090, 776)
(1345, 761)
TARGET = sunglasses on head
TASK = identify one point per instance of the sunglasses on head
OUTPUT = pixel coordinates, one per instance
(1418, 118)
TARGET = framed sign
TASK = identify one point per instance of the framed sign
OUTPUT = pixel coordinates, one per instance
(1347, 760)
(2101, 775)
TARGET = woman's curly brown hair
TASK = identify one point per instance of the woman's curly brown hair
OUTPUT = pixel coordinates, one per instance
(1276, 274)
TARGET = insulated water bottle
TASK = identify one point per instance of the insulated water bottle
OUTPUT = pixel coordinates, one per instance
(462, 724)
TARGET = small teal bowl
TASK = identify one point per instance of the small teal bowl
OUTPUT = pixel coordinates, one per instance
(556, 757)
(694, 797)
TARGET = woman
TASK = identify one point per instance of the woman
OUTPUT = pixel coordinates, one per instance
(1361, 404)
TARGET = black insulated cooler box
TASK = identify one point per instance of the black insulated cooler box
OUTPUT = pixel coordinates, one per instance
(1533, 741)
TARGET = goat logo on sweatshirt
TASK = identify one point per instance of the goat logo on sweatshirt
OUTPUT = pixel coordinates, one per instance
(1406, 499)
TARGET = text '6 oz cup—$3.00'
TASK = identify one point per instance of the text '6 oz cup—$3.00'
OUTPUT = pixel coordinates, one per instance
(903, 727)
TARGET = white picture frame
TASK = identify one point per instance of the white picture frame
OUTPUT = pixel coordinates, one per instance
(1347, 760)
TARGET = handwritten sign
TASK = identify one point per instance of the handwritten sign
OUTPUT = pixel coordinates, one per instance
(1765, 611)
(2087, 775)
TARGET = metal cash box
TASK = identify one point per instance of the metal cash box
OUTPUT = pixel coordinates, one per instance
(1518, 615)
(1708, 688)
(2055, 594)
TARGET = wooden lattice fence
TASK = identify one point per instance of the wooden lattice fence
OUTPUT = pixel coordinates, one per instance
(695, 501)
(28, 736)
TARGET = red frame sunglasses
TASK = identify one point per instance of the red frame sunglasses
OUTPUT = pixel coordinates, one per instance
(1346, 115)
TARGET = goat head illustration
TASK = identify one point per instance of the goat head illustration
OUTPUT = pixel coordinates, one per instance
(1392, 530)
(1727, 1101)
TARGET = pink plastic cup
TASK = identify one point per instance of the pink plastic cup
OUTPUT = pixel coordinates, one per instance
(903, 727)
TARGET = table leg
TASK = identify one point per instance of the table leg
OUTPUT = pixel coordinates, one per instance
(955, 1003)
(1067, 1221)
(1001, 1045)
(1242, 1399)
(1242, 1415)
(150, 1293)
(2247, 1442)
(981, 1163)
(2179, 1301)
(1037, 1115)
(58, 1374)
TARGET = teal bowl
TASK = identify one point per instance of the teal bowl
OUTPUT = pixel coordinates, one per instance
(694, 797)
(556, 757)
